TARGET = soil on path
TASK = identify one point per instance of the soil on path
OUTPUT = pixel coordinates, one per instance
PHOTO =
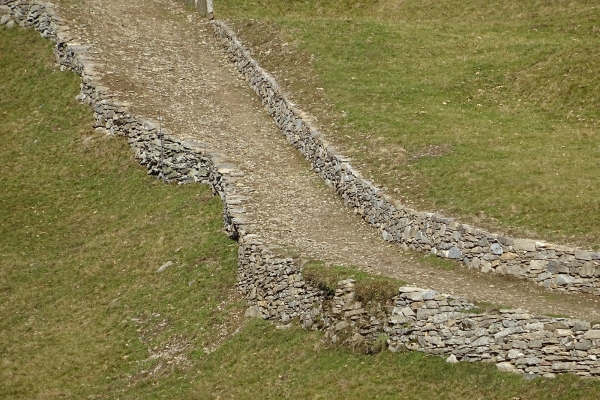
(161, 58)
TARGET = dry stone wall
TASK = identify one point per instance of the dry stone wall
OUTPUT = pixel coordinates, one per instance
(552, 266)
(274, 285)
(419, 319)
(513, 339)
(444, 325)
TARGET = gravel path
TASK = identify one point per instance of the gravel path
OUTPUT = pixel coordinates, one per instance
(162, 59)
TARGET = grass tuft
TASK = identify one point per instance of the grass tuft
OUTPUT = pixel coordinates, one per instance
(368, 288)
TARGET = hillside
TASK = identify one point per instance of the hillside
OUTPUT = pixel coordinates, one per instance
(484, 111)
(86, 314)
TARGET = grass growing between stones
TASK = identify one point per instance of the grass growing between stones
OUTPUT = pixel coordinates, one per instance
(84, 313)
(368, 287)
(483, 110)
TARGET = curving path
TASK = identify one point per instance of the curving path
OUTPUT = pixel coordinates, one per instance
(161, 58)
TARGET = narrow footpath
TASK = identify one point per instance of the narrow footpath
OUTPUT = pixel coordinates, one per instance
(162, 59)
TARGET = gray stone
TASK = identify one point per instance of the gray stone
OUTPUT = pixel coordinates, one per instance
(583, 345)
(563, 332)
(507, 367)
(4, 19)
(516, 270)
(486, 266)
(563, 280)
(424, 313)
(252, 294)
(538, 264)
(399, 319)
(406, 311)
(587, 270)
(543, 276)
(535, 344)
(454, 253)
(341, 325)
(496, 248)
(529, 361)
(452, 359)
(508, 331)
(357, 338)
(253, 312)
(514, 353)
(524, 245)
(557, 268)
(583, 255)
(387, 236)
(581, 325)
(504, 241)
(563, 366)
(482, 341)
(414, 296)
(429, 294)
(164, 266)
(592, 334)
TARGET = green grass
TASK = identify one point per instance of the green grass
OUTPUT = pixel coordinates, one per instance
(437, 262)
(83, 230)
(368, 287)
(481, 307)
(483, 110)
(292, 364)
(84, 314)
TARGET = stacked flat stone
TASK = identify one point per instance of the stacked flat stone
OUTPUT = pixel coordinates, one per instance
(345, 318)
(552, 266)
(273, 285)
(517, 341)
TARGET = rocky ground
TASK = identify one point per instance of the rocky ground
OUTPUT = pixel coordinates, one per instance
(161, 58)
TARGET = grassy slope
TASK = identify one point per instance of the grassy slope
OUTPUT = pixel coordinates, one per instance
(487, 110)
(83, 313)
(83, 231)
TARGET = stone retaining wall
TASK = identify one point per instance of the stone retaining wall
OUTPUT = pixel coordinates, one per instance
(419, 319)
(272, 283)
(444, 325)
(552, 266)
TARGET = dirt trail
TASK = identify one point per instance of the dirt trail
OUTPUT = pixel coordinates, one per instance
(162, 59)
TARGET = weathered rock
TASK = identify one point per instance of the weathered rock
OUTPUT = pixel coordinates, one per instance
(452, 359)
(507, 367)
(562, 279)
(524, 245)
(496, 248)
(592, 334)
(253, 312)
(164, 266)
